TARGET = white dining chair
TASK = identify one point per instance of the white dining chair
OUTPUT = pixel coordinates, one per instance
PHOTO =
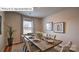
(23, 40)
(64, 48)
(30, 48)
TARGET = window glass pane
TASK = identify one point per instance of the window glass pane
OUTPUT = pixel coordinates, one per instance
(27, 27)
(27, 23)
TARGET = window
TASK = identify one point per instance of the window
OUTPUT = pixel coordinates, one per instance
(27, 27)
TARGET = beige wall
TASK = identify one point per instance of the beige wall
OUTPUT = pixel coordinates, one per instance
(71, 18)
(38, 25)
(1, 36)
(13, 19)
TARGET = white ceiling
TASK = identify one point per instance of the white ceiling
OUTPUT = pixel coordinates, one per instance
(42, 11)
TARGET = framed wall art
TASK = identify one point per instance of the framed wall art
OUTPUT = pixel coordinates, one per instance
(49, 26)
(59, 27)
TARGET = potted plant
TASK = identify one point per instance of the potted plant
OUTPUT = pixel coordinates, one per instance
(39, 35)
(10, 35)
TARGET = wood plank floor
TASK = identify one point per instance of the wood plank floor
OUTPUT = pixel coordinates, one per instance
(9, 48)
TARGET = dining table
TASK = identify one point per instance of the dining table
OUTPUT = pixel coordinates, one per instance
(44, 44)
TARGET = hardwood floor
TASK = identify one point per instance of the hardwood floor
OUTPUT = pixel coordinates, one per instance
(9, 48)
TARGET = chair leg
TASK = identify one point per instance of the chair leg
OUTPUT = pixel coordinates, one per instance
(24, 48)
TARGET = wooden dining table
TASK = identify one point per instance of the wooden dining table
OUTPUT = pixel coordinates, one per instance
(44, 45)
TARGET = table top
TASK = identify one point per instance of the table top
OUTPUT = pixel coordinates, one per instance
(44, 44)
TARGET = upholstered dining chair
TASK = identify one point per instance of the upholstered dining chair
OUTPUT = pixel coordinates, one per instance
(23, 40)
(64, 48)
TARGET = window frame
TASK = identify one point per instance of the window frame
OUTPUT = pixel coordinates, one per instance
(32, 25)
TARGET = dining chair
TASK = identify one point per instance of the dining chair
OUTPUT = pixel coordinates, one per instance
(67, 47)
(64, 48)
(30, 48)
(23, 40)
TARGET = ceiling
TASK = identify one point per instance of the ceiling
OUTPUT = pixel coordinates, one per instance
(42, 12)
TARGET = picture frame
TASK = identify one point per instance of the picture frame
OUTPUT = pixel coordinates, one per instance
(0, 25)
(59, 27)
(49, 26)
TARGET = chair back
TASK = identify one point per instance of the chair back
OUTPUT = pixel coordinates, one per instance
(28, 44)
(67, 47)
(69, 44)
(22, 36)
